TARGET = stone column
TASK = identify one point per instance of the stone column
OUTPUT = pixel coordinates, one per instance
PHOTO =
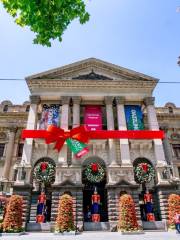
(76, 121)
(76, 111)
(9, 153)
(110, 126)
(28, 143)
(62, 158)
(31, 125)
(124, 143)
(153, 125)
(168, 154)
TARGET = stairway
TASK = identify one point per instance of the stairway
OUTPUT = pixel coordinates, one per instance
(33, 208)
(32, 226)
(96, 226)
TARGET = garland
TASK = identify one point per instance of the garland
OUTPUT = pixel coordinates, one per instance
(94, 172)
(44, 172)
(144, 172)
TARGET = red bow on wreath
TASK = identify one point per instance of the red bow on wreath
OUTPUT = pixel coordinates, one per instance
(94, 167)
(144, 167)
(44, 166)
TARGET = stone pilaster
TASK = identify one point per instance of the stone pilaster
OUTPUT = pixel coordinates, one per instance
(62, 158)
(76, 111)
(28, 143)
(158, 146)
(9, 153)
(110, 126)
(124, 143)
(76, 121)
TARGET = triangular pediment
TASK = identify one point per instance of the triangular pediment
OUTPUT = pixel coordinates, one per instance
(91, 69)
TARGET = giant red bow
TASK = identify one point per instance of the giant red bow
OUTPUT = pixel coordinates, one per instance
(57, 135)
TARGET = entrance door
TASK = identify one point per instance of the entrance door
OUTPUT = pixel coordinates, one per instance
(48, 192)
(87, 202)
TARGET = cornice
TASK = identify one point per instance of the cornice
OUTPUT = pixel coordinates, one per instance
(44, 84)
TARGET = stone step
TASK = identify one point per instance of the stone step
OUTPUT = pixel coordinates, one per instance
(39, 227)
(96, 226)
(156, 225)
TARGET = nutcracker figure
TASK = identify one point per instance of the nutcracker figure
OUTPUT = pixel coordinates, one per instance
(40, 218)
(95, 206)
(149, 206)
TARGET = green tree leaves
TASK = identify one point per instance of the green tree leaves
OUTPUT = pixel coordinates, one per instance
(47, 18)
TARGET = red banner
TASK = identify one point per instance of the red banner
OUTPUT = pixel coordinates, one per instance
(93, 118)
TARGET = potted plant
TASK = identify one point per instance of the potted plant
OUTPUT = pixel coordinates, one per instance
(173, 209)
(65, 218)
(13, 218)
(127, 215)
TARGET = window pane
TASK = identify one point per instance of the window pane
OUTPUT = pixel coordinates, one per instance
(2, 146)
(20, 149)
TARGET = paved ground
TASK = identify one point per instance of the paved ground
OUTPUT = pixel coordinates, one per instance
(98, 236)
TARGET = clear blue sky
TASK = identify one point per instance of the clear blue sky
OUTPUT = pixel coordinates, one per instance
(142, 35)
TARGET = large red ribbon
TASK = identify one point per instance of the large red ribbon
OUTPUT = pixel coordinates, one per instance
(58, 136)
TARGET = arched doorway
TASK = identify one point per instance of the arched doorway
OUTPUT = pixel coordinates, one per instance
(43, 176)
(94, 179)
(145, 175)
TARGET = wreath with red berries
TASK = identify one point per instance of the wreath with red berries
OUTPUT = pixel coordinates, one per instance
(94, 172)
(44, 172)
(144, 172)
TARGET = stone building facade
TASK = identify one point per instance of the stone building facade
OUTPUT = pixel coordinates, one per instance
(72, 88)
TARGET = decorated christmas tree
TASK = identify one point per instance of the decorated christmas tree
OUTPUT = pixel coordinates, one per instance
(65, 218)
(173, 208)
(13, 217)
(127, 214)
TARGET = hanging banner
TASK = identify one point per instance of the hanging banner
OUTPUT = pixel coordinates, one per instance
(50, 116)
(78, 148)
(134, 117)
(93, 118)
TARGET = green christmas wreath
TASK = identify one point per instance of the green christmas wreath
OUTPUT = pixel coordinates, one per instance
(94, 172)
(44, 172)
(144, 172)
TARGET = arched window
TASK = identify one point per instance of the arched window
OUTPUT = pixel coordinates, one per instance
(5, 109)
(170, 110)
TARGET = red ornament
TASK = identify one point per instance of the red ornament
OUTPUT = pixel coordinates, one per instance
(44, 166)
(94, 167)
(144, 167)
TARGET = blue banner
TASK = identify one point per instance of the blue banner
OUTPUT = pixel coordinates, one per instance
(134, 117)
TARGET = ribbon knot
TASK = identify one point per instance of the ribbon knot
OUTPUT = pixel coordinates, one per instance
(59, 136)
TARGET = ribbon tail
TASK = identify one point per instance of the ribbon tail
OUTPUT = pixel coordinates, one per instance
(59, 144)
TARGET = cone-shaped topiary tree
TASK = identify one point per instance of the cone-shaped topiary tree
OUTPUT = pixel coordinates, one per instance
(65, 218)
(13, 217)
(173, 208)
(127, 214)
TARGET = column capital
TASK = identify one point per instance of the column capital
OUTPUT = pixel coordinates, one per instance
(108, 100)
(164, 127)
(13, 129)
(65, 100)
(149, 101)
(76, 99)
(120, 100)
(35, 99)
